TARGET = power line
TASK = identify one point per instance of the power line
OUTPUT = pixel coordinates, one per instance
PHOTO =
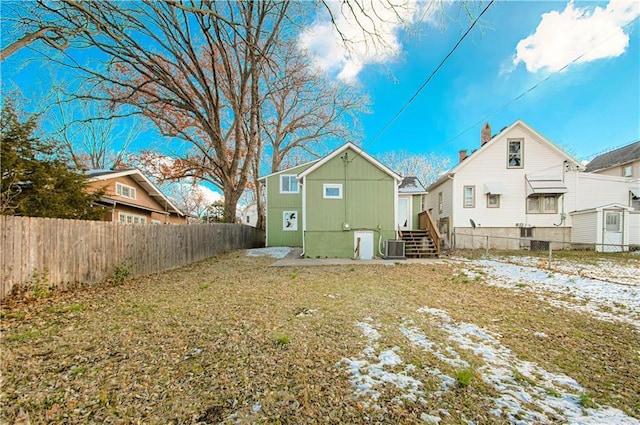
(530, 89)
(415, 95)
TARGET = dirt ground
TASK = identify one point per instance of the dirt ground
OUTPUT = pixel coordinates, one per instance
(233, 340)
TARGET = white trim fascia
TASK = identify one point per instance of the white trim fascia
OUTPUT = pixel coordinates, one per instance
(287, 169)
(539, 137)
(359, 152)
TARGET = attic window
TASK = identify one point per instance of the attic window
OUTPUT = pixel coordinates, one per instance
(514, 153)
(288, 183)
(125, 191)
(627, 171)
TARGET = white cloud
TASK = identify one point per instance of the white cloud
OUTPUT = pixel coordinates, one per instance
(344, 48)
(563, 36)
(209, 195)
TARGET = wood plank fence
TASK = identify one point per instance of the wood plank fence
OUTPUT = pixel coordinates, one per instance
(58, 252)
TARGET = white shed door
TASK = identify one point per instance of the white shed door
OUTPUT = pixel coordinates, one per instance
(613, 231)
(363, 245)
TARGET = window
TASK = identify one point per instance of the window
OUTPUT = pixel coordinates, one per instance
(627, 171)
(332, 191)
(288, 183)
(613, 221)
(542, 204)
(131, 218)
(514, 153)
(290, 221)
(634, 201)
(469, 197)
(125, 191)
(493, 201)
(440, 205)
(526, 232)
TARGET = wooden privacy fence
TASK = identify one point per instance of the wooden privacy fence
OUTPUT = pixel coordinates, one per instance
(56, 252)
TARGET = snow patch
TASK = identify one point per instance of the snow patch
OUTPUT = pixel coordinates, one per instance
(605, 300)
(278, 252)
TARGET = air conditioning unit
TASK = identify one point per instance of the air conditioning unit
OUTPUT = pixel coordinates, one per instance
(394, 249)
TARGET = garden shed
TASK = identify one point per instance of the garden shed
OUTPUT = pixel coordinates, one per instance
(605, 228)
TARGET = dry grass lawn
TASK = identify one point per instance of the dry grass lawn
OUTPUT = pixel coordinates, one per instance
(232, 340)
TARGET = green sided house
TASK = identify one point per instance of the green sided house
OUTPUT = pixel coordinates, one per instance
(347, 205)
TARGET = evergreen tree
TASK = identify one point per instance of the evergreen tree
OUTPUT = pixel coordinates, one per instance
(36, 178)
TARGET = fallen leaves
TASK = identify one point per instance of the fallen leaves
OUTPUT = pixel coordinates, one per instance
(197, 345)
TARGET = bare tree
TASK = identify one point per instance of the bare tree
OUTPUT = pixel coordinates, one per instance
(426, 167)
(93, 139)
(194, 75)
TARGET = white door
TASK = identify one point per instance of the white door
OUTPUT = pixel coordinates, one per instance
(404, 213)
(363, 245)
(613, 231)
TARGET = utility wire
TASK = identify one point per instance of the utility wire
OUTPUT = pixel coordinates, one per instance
(530, 89)
(415, 95)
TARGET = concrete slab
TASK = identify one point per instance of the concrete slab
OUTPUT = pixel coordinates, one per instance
(293, 259)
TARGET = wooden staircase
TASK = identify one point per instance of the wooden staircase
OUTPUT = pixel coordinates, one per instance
(418, 244)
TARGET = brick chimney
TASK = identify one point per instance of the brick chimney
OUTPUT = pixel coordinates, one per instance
(462, 155)
(485, 134)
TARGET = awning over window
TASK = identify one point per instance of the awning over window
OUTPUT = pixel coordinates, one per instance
(494, 188)
(545, 185)
(635, 191)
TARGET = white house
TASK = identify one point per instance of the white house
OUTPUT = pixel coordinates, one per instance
(517, 187)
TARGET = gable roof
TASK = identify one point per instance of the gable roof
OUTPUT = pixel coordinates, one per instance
(287, 169)
(615, 157)
(520, 123)
(359, 152)
(411, 185)
(140, 179)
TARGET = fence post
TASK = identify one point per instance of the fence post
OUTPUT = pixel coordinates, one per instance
(550, 250)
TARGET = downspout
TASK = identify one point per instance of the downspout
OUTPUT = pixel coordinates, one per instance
(345, 159)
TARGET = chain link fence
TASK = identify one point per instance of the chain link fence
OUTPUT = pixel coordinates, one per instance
(466, 241)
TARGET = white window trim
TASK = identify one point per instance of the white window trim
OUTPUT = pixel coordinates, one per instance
(497, 204)
(326, 186)
(131, 189)
(625, 168)
(473, 196)
(521, 153)
(297, 189)
(131, 218)
(440, 203)
(541, 209)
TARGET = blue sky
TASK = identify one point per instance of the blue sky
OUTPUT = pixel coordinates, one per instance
(590, 107)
